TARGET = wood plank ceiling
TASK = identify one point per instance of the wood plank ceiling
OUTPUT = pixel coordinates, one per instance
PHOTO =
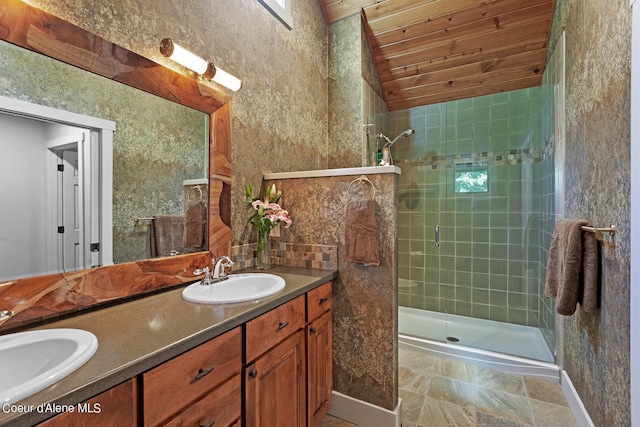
(430, 51)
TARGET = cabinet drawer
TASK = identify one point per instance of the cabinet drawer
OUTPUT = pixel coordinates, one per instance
(272, 327)
(221, 407)
(319, 300)
(173, 385)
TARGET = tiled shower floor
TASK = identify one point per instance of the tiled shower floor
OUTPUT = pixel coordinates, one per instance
(440, 392)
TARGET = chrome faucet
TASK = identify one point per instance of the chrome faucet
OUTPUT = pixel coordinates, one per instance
(219, 267)
(218, 274)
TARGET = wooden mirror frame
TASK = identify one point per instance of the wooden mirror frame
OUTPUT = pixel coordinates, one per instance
(35, 299)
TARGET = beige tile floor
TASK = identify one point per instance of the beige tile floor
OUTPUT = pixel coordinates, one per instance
(440, 392)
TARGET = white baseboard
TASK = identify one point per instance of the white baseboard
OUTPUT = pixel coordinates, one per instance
(575, 403)
(364, 414)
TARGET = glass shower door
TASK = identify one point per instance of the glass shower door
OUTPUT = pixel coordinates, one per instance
(422, 210)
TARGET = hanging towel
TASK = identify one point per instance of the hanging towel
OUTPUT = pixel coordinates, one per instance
(194, 226)
(361, 232)
(166, 235)
(572, 270)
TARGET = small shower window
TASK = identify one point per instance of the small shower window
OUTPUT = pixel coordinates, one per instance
(471, 179)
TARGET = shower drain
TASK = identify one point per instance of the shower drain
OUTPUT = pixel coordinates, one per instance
(453, 339)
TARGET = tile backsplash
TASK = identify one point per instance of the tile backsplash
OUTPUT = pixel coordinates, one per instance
(323, 257)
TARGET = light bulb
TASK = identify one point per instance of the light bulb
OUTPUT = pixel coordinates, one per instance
(183, 57)
(226, 79)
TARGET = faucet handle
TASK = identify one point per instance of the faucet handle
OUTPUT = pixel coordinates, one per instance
(206, 281)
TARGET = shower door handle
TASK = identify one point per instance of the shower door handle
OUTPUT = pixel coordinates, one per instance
(437, 235)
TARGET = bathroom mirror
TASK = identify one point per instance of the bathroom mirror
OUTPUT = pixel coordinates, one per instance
(157, 146)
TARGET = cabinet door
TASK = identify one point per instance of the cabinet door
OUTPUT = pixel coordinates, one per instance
(320, 368)
(275, 385)
(115, 407)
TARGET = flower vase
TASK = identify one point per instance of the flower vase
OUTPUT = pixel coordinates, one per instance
(263, 252)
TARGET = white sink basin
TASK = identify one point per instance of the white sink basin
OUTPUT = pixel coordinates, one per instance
(31, 361)
(237, 288)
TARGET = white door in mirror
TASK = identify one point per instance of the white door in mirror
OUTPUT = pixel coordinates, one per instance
(237, 288)
(31, 361)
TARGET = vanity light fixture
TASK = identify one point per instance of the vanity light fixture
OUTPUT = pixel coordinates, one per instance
(198, 65)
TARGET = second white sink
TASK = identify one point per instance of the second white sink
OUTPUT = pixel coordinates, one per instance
(31, 361)
(237, 288)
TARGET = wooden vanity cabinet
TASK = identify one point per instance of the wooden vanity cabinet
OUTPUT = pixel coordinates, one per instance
(201, 385)
(117, 407)
(319, 353)
(289, 368)
(275, 371)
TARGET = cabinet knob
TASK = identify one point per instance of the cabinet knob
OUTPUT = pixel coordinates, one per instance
(208, 425)
(323, 300)
(253, 373)
(312, 329)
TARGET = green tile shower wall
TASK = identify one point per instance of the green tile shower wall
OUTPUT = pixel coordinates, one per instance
(487, 262)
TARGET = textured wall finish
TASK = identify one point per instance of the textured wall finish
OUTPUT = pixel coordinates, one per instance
(369, 68)
(365, 299)
(597, 165)
(345, 93)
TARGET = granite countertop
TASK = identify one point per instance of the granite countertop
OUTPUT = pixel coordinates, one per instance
(138, 335)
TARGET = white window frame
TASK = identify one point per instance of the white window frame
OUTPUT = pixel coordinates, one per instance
(281, 9)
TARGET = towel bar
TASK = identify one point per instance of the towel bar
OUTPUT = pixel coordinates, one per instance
(138, 219)
(611, 230)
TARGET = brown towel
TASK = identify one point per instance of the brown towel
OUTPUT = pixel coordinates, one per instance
(194, 226)
(166, 234)
(572, 270)
(361, 233)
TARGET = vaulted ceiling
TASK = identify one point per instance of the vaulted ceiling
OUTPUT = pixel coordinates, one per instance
(430, 51)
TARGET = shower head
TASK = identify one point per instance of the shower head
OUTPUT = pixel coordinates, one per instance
(386, 152)
(404, 134)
